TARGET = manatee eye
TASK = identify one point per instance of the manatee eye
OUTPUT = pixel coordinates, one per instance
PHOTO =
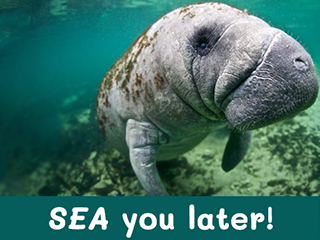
(203, 45)
(203, 40)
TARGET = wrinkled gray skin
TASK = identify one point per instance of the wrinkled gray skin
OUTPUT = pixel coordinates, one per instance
(199, 68)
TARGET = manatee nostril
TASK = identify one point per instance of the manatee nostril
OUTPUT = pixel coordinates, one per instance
(301, 64)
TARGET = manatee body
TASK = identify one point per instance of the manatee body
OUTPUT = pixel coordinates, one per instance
(197, 69)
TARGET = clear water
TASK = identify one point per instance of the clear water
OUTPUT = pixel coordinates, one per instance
(54, 54)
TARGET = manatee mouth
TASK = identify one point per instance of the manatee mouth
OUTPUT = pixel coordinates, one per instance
(230, 95)
(261, 100)
(230, 92)
(282, 84)
(225, 92)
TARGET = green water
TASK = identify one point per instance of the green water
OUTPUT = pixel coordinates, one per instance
(53, 56)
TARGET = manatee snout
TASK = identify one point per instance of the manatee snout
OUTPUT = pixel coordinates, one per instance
(282, 85)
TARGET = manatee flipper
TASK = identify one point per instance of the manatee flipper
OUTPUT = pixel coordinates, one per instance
(143, 140)
(235, 150)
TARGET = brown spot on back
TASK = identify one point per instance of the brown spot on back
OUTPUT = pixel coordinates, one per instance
(101, 125)
(123, 67)
(124, 83)
(127, 93)
(189, 14)
(106, 103)
(185, 9)
(138, 78)
(159, 81)
(142, 42)
(155, 34)
(107, 82)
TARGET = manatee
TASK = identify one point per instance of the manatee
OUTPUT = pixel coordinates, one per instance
(197, 69)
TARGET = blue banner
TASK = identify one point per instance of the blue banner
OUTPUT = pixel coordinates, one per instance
(159, 218)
